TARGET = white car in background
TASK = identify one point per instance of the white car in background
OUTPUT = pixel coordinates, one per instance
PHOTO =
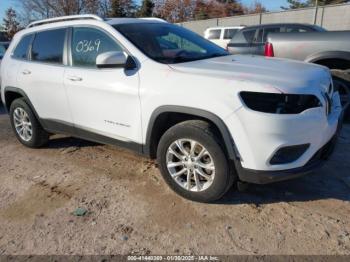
(221, 36)
(210, 118)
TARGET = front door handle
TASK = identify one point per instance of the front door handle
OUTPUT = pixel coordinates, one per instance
(75, 78)
(26, 72)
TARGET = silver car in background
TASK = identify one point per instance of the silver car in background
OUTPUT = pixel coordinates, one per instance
(252, 39)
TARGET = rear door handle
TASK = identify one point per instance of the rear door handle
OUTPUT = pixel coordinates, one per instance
(26, 72)
(75, 78)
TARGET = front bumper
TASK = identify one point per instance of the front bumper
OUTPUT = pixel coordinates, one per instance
(262, 135)
(266, 177)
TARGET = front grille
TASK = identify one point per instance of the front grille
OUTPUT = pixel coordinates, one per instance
(328, 103)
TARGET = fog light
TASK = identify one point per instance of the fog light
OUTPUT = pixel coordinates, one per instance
(288, 154)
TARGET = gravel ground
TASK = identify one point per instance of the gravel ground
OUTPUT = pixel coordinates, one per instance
(130, 210)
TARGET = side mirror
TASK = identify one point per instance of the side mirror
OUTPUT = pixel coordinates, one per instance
(111, 60)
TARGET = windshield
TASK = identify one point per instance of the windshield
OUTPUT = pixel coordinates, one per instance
(169, 44)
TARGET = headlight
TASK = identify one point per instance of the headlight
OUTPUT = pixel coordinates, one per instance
(279, 103)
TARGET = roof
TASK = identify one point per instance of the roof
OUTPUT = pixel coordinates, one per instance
(278, 24)
(224, 27)
(118, 21)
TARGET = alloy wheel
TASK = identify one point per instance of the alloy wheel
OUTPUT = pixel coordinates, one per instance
(190, 165)
(22, 124)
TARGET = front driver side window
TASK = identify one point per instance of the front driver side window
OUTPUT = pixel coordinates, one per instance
(88, 43)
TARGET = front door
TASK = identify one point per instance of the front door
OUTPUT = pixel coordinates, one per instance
(104, 102)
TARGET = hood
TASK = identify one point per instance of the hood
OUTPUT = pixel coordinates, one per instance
(288, 76)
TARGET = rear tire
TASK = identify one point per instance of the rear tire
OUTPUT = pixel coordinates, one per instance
(202, 178)
(26, 126)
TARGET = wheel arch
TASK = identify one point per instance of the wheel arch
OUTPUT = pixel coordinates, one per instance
(331, 59)
(159, 123)
(13, 93)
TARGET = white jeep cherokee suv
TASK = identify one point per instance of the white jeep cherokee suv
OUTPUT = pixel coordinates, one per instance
(209, 118)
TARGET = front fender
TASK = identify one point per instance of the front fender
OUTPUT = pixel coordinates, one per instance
(229, 143)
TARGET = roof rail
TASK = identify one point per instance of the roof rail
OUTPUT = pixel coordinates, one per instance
(64, 18)
(154, 18)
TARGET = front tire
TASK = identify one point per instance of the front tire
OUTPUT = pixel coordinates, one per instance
(26, 126)
(341, 81)
(193, 163)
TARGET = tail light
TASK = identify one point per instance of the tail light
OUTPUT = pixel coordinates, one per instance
(269, 50)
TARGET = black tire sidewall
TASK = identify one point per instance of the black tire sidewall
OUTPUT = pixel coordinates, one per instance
(35, 141)
(209, 141)
(343, 77)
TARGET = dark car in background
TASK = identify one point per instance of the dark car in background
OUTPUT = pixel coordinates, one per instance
(252, 39)
(330, 49)
(3, 48)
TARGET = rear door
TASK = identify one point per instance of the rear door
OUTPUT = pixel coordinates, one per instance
(19, 54)
(242, 41)
(41, 76)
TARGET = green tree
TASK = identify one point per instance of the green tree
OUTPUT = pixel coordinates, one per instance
(146, 9)
(200, 11)
(122, 8)
(11, 25)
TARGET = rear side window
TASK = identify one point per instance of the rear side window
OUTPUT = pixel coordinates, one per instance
(259, 38)
(48, 46)
(88, 43)
(295, 29)
(214, 34)
(244, 36)
(229, 33)
(249, 35)
(21, 50)
(267, 31)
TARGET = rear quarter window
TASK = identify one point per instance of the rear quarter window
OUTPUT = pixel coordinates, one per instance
(48, 46)
(229, 33)
(2, 50)
(21, 50)
(296, 29)
(214, 34)
(270, 30)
